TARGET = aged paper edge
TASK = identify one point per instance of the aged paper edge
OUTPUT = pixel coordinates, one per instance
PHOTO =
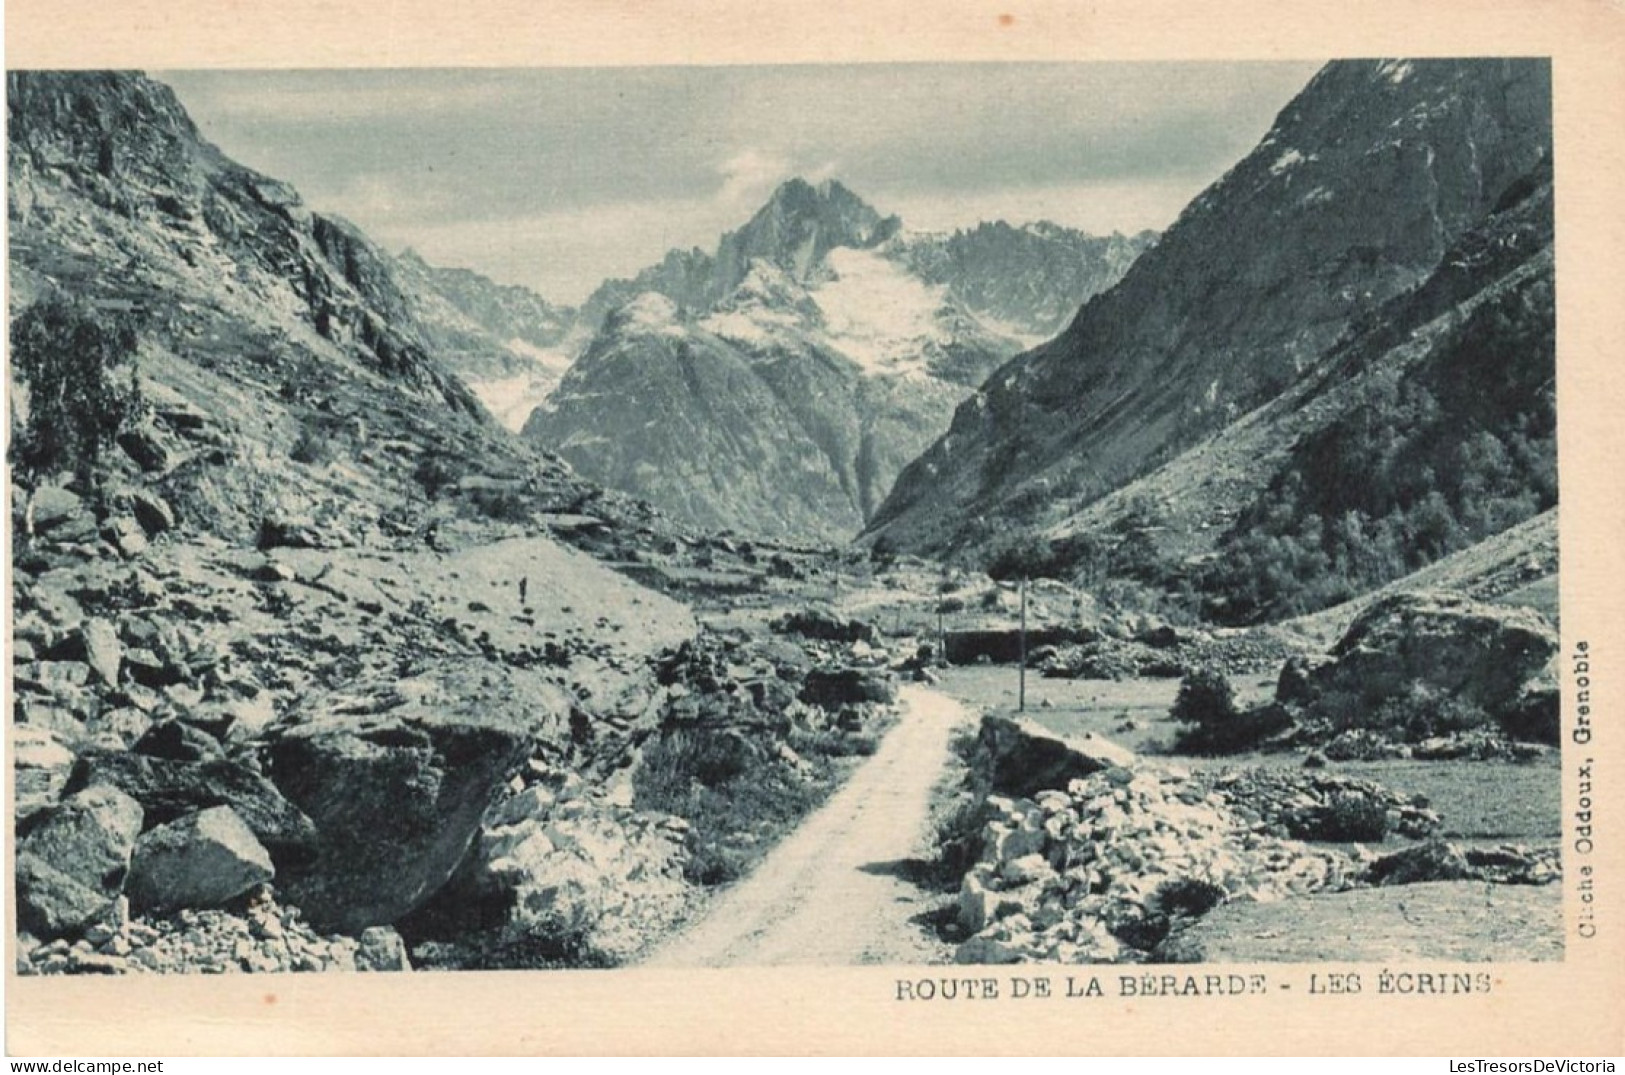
(1566, 1008)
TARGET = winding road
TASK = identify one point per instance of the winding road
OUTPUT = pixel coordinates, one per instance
(837, 891)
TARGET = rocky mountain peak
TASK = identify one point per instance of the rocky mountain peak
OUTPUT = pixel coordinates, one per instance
(115, 125)
(802, 222)
(649, 311)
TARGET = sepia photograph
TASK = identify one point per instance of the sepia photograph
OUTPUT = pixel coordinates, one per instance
(1024, 529)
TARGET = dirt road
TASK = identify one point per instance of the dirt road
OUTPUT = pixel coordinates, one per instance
(836, 891)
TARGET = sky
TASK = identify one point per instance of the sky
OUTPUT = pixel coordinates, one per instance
(556, 178)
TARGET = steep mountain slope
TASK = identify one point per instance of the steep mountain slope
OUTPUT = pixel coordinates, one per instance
(507, 343)
(110, 168)
(1034, 276)
(1364, 184)
(778, 386)
(1428, 429)
(281, 337)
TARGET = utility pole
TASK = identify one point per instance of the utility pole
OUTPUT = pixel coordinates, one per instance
(1021, 688)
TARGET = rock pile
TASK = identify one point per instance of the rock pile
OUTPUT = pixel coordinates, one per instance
(1421, 666)
(257, 935)
(1100, 871)
(1317, 805)
(1019, 757)
(1368, 744)
(825, 625)
(1166, 652)
(1436, 860)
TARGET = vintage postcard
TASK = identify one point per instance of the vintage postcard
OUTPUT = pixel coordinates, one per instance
(839, 528)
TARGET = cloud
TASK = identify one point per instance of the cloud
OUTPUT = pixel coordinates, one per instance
(749, 175)
(556, 177)
(385, 197)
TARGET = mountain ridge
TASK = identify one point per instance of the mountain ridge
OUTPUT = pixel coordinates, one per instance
(890, 330)
(1353, 196)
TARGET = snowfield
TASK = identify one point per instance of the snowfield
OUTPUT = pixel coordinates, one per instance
(511, 399)
(879, 315)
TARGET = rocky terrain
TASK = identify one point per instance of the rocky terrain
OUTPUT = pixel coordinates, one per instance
(1070, 848)
(778, 386)
(304, 662)
(1122, 866)
(315, 666)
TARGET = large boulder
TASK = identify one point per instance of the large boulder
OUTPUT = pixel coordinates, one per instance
(203, 860)
(176, 740)
(50, 903)
(151, 511)
(1434, 860)
(74, 859)
(825, 625)
(832, 688)
(1017, 756)
(170, 789)
(552, 877)
(380, 948)
(96, 643)
(1420, 649)
(41, 764)
(396, 776)
(88, 836)
(144, 444)
(61, 515)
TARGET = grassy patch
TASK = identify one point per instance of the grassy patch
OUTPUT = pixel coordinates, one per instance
(1478, 800)
(741, 790)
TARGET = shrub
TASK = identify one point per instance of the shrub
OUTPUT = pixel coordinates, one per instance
(1207, 705)
(676, 760)
(736, 798)
(503, 505)
(1188, 897)
(1351, 817)
(1205, 698)
(1415, 713)
(68, 354)
(313, 448)
(1022, 556)
(959, 836)
(434, 473)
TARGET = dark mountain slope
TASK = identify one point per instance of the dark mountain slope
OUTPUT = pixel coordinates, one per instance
(285, 371)
(1425, 457)
(1367, 178)
(125, 146)
(1033, 276)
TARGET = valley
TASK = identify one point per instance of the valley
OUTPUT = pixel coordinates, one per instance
(838, 594)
